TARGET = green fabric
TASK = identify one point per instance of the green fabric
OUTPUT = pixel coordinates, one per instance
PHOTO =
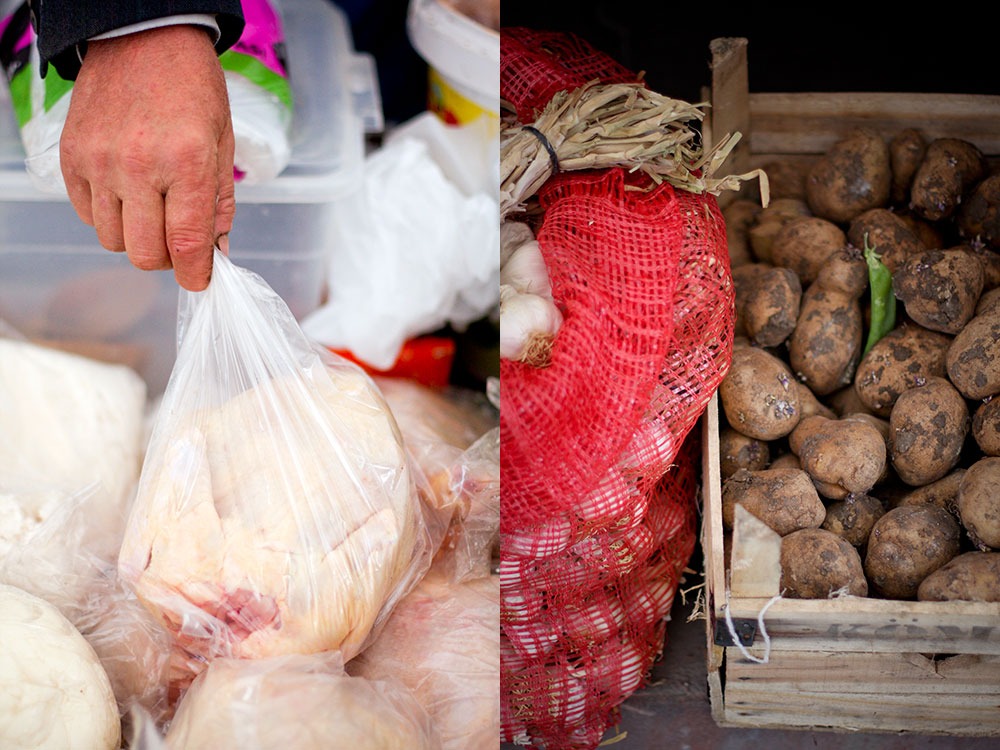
(20, 94)
(253, 69)
(55, 87)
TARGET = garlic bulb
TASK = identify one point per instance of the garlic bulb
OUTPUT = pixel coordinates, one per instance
(513, 234)
(525, 271)
(528, 325)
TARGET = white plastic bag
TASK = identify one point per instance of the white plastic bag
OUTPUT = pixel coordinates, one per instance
(276, 511)
(418, 248)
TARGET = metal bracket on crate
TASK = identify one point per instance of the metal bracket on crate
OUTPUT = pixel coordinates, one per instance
(746, 631)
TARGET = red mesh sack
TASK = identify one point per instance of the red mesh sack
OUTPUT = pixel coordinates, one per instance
(534, 65)
(611, 256)
(643, 281)
(567, 665)
(598, 466)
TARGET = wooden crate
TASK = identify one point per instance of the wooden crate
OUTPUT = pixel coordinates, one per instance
(848, 663)
(802, 126)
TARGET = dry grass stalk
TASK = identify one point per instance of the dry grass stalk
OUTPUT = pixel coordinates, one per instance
(615, 125)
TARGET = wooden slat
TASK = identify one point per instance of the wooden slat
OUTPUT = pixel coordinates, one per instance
(883, 712)
(858, 624)
(866, 673)
(730, 112)
(712, 545)
(906, 692)
(804, 123)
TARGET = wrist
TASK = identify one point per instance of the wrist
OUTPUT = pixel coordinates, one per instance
(176, 38)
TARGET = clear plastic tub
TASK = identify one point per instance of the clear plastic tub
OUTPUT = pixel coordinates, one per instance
(57, 283)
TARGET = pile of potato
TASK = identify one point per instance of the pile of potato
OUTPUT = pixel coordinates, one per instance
(880, 470)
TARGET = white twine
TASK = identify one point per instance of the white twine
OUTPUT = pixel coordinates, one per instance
(760, 626)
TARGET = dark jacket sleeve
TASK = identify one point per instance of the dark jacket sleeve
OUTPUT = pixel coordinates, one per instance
(63, 24)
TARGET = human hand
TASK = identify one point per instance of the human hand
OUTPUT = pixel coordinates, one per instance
(147, 150)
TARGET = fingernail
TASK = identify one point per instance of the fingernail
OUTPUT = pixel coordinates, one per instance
(223, 243)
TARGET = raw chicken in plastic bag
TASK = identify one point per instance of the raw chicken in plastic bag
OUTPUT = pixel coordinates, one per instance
(297, 701)
(443, 642)
(276, 512)
(453, 437)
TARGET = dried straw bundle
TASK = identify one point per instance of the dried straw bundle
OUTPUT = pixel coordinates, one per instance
(614, 125)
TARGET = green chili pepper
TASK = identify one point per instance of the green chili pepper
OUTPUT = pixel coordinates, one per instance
(883, 299)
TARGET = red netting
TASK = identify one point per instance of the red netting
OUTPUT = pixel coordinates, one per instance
(566, 664)
(644, 283)
(534, 65)
(612, 260)
(598, 459)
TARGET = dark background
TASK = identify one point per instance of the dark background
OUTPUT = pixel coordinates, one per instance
(805, 47)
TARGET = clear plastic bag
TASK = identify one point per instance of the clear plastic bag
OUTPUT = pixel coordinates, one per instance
(443, 642)
(453, 437)
(66, 423)
(276, 511)
(297, 701)
(70, 563)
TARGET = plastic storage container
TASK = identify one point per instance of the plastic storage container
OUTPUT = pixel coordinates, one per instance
(58, 284)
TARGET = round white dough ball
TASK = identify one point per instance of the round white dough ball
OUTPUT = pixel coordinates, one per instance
(54, 694)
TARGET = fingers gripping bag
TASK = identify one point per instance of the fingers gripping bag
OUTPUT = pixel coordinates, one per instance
(276, 512)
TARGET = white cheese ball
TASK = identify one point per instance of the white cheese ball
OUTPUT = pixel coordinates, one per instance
(54, 694)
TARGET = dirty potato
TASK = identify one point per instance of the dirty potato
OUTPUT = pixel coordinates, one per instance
(744, 284)
(853, 518)
(847, 456)
(826, 344)
(853, 176)
(986, 427)
(973, 577)
(906, 151)
(940, 288)
(927, 429)
(846, 401)
(809, 405)
(786, 461)
(737, 451)
(786, 178)
(979, 216)
(888, 234)
(770, 221)
(979, 502)
(951, 167)
(771, 307)
(784, 499)
(816, 564)
(906, 545)
(804, 244)
(740, 215)
(758, 395)
(973, 358)
(903, 358)
(942, 493)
